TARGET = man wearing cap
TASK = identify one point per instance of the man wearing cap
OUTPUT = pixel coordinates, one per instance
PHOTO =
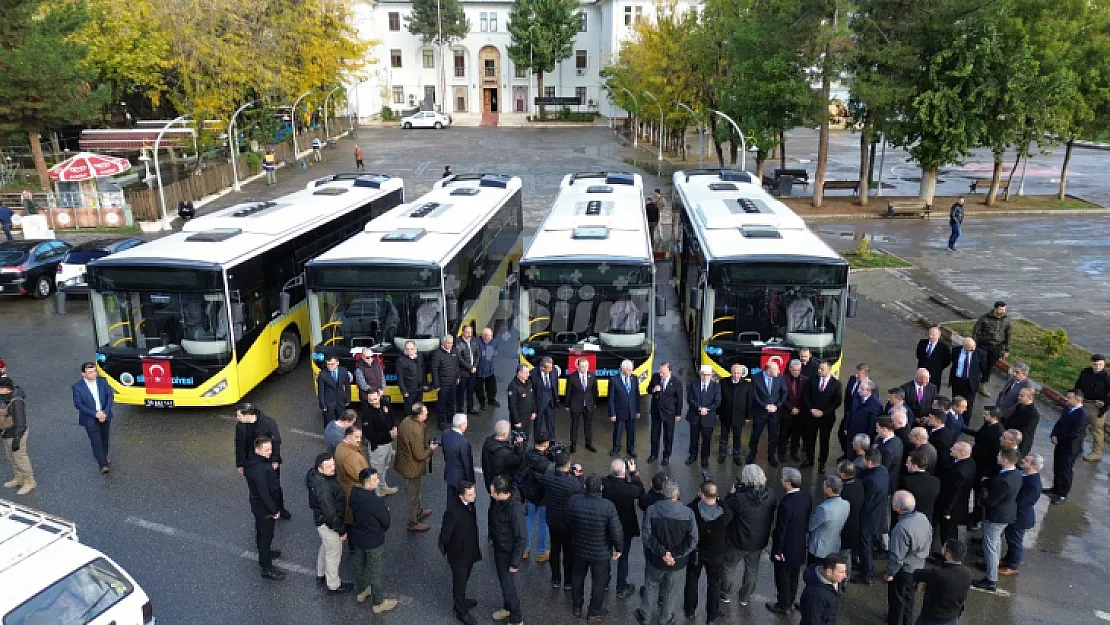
(1094, 383)
(13, 431)
(703, 400)
(992, 333)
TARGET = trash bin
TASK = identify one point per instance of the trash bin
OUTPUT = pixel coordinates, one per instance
(786, 185)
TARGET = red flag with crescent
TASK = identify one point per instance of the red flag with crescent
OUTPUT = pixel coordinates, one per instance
(157, 376)
(781, 357)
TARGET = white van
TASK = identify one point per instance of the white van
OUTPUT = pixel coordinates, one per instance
(49, 578)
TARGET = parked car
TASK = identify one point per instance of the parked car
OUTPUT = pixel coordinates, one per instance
(70, 278)
(29, 267)
(426, 119)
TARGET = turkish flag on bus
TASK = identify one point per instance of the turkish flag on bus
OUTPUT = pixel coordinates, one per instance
(157, 376)
(780, 357)
(572, 360)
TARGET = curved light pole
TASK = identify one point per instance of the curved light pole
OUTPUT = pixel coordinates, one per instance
(293, 121)
(327, 135)
(233, 144)
(743, 141)
(158, 172)
(701, 137)
(660, 136)
(635, 132)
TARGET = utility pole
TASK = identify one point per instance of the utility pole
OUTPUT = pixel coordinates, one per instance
(439, 40)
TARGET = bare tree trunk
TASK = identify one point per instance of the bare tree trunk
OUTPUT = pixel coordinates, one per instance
(760, 160)
(928, 185)
(717, 142)
(733, 151)
(823, 135)
(40, 162)
(1064, 170)
(996, 176)
(539, 91)
(1011, 178)
(864, 162)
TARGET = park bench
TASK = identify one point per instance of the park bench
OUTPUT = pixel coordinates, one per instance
(841, 185)
(908, 208)
(800, 176)
(985, 184)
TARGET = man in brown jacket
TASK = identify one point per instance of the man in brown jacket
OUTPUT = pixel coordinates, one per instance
(349, 462)
(411, 462)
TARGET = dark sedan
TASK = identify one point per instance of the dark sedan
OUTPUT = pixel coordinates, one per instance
(28, 267)
(71, 274)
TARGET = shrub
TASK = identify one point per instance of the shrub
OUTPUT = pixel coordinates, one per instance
(387, 114)
(254, 162)
(1055, 342)
(864, 249)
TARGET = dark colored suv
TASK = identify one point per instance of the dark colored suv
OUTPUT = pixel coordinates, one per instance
(28, 267)
(70, 277)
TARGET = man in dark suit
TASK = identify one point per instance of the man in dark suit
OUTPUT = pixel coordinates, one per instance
(1027, 498)
(624, 408)
(411, 378)
(1024, 418)
(920, 484)
(546, 383)
(444, 366)
(890, 446)
(458, 459)
(702, 400)
(793, 411)
(968, 367)
(851, 391)
(736, 406)
(822, 400)
(93, 399)
(768, 395)
(809, 363)
(265, 495)
(950, 509)
(863, 410)
(1067, 435)
(999, 510)
(458, 540)
(1007, 400)
(581, 398)
(920, 393)
(521, 399)
(873, 517)
(852, 492)
(934, 356)
(942, 439)
(988, 441)
(666, 411)
(333, 389)
(788, 540)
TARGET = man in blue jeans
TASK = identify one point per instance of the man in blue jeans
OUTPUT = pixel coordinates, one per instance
(1027, 497)
(999, 510)
(6, 215)
(955, 221)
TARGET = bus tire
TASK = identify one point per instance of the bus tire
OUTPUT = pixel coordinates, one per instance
(289, 352)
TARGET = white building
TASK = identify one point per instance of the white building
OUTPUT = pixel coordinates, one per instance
(479, 76)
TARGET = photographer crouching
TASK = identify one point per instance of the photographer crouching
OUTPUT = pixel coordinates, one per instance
(502, 453)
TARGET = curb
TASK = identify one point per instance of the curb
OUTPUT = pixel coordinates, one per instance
(1010, 213)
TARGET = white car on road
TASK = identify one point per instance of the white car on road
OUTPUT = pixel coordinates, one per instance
(426, 119)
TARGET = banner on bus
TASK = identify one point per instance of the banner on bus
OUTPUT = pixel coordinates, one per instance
(780, 357)
(158, 376)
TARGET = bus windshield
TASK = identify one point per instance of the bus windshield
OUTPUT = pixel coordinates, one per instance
(568, 304)
(378, 318)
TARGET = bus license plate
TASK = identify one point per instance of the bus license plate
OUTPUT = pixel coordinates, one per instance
(159, 403)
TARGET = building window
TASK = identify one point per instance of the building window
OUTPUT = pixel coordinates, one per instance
(429, 59)
(398, 95)
(491, 68)
(484, 21)
(549, 92)
(520, 72)
(580, 93)
(460, 64)
(394, 22)
(582, 22)
(580, 61)
(628, 16)
(639, 14)
(493, 22)
(395, 58)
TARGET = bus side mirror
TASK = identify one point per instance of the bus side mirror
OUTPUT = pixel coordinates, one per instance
(284, 302)
(237, 313)
(853, 305)
(660, 306)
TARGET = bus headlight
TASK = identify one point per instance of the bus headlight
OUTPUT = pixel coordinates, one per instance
(220, 387)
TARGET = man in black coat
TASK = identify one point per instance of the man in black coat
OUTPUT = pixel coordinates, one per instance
(370, 520)
(468, 353)
(890, 446)
(851, 390)
(1024, 419)
(788, 540)
(873, 515)
(250, 425)
(666, 411)
(999, 510)
(946, 586)
(950, 508)
(558, 487)
(1067, 435)
(969, 365)
(623, 487)
(411, 378)
(328, 503)
(713, 520)
(794, 412)
(444, 365)
(545, 385)
(597, 539)
(823, 398)
(265, 493)
(768, 396)
(820, 600)
(942, 439)
(702, 400)
(920, 393)
(506, 536)
(752, 505)
(934, 355)
(581, 397)
(923, 486)
(985, 452)
(333, 388)
(852, 492)
(458, 456)
(736, 406)
(458, 540)
(501, 454)
(521, 399)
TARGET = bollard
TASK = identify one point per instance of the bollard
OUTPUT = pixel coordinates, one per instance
(59, 302)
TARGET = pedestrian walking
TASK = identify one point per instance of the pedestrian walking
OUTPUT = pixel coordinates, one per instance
(328, 503)
(458, 456)
(946, 587)
(597, 538)
(269, 165)
(528, 478)
(820, 602)
(336, 431)
(624, 408)
(379, 429)
(486, 386)
(955, 222)
(581, 398)
(411, 378)
(753, 514)
(545, 389)
(826, 522)
(670, 536)
(250, 425)
(768, 395)
(823, 398)
(467, 350)
(788, 540)
(702, 401)
(1027, 497)
(13, 431)
(506, 536)
(370, 521)
(316, 148)
(1067, 436)
(501, 454)
(458, 540)
(349, 463)
(992, 332)
(6, 215)
(265, 493)
(93, 398)
(736, 405)
(358, 158)
(558, 487)
(651, 211)
(909, 547)
(369, 376)
(333, 388)
(411, 463)
(623, 488)
(1094, 383)
(666, 411)
(445, 379)
(712, 520)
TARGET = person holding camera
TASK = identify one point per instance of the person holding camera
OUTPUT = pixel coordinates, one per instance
(501, 453)
(623, 487)
(558, 487)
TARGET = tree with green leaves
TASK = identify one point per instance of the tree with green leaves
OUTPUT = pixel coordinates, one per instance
(833, 36)
(438, 21)
(1086, 115)
(543, 33)
(44, 79)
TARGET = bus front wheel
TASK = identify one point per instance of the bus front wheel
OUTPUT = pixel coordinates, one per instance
(289, 352)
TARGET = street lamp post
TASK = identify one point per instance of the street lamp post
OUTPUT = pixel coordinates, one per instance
(636, 103)
(439, 41)
(233, 145)
(327, 135)
(293, 121)
(882, 164)
(660, 134)
(701, 137)
(743, 141)
(158, 171)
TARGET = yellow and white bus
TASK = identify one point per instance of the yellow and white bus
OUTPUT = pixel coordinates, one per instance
(587, 280)
(754, 283)
(421, 271)
(200, 317)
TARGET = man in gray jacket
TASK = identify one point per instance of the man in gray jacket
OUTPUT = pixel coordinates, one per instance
(670, 535)
(827, 522)
(909, 546)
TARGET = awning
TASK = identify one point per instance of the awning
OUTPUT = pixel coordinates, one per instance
(134, 139)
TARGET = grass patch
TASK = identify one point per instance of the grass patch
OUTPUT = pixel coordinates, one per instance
(121, 230)
(874, 260)
(1028, 346)
(1036, 202)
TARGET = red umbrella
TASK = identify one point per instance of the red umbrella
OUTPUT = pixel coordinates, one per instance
(86, 166)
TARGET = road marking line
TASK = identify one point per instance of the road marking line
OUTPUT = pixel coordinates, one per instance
(1000, 592)
(307, 433)
(196, 538)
